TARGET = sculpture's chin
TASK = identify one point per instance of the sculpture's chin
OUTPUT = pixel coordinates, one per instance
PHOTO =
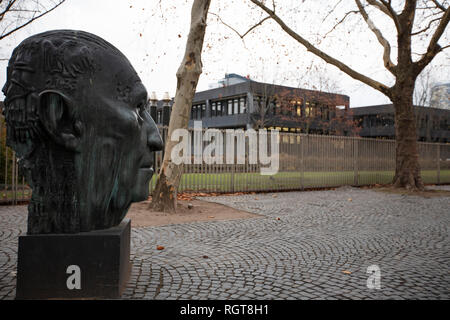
(141, 187)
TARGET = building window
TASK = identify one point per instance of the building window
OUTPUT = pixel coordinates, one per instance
(308, 110)
(203, 114)
(373, 121)
(314, 112)
(236, 106)
(213, 109)
(277, 109)
(230, 106)
(271, 107)
(159, 117)
(325, 112)
(333, 114)
(242, 105)
(197, 112)
(219, 108)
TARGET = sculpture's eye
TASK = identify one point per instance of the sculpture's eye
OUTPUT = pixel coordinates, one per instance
(141, 107)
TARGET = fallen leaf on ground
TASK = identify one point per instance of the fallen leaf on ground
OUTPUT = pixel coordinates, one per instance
(159, 248)
(347, 272)
(349, 199)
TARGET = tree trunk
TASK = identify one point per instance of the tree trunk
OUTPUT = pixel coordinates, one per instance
(407, 168)
(164, 197)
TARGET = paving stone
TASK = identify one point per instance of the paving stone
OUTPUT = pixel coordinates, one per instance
(303, 256)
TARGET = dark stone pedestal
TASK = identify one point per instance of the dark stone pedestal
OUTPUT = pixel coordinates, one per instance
(48, 264)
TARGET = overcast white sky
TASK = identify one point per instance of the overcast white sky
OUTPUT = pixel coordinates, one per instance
(153, 36)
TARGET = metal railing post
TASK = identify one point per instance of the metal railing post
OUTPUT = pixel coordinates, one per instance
(438, 163)
(302, 161)
(355, 161)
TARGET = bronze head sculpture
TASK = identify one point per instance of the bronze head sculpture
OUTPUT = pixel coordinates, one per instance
(76, 117)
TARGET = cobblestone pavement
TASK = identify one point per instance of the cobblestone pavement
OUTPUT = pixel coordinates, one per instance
(319, 248)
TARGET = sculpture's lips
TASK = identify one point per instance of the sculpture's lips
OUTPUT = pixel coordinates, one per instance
(148, 168)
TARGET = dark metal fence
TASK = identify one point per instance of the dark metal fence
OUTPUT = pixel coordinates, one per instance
(305, 161)
(313, 161)
(13, 187)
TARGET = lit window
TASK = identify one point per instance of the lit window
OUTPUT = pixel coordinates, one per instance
(308, 111)
(291, 139)
(236, 106)
(242, 105)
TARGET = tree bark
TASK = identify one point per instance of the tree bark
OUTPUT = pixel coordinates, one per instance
(407, 168)
(164, 197)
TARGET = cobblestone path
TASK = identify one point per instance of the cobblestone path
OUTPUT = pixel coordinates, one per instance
(304, 245)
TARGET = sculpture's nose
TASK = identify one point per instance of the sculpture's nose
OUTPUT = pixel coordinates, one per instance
(154, 140)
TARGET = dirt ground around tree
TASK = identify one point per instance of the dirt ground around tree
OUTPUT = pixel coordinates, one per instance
(142, 216)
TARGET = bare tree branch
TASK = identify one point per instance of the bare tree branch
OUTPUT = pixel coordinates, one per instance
(7, 8)
(439, 5)
(389, 65)
(311, 48)
(332, 10)
(433, 47)
(340, 21)
(237, 32)
(387, 9)
(430, 23)
(28, 21)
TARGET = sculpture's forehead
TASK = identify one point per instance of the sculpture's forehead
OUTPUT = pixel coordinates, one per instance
(118, 77)
(69, 65)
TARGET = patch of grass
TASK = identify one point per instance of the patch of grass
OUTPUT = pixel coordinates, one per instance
(229, 182)
(21, 194)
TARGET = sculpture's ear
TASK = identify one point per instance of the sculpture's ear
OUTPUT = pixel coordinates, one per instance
(58, 120)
